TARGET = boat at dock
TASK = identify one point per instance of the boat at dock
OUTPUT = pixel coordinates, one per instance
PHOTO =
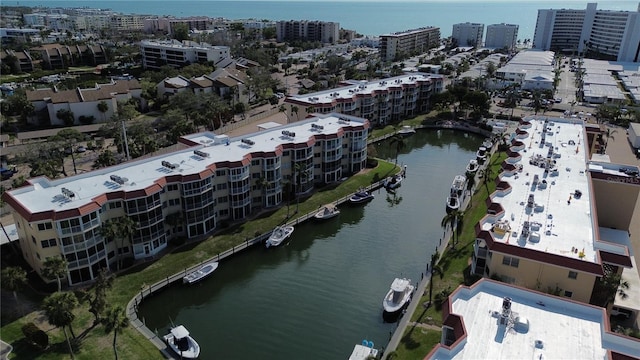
(361, 197)
(327, 212)
(473, 166)
(406, 130)
(279, 235)
(181, 342)
(398, 296)
(456, 194)
(393, 182)
(204, 271)
(481, 154)
(364, 351)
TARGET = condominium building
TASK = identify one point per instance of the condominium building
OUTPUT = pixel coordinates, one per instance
(605, 32)
(305, 30)
(156, 54)
(493, 320)
(501, 36)
(468, 34)
(127, 22)
(403, 44)
(380, 101)
(185, 193)
(557, 221)
(168, 24)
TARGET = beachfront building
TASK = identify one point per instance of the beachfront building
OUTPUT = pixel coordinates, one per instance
(403, 44)
(557, 221)
(156, 54)
(468, 34)
(380, 102)
(306, 30)
(189, 192)
(492, 320)
(611, 33)
(501, 36)
(168, 25)
(122, 22)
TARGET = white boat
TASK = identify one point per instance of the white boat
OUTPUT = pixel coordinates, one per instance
(364, 352)
(327, 212)
(398, 296)
(182, 343)
(481, 154)
(393, 182)
(453, 203)
(456, 194)
(406, 130)
(279, 235)
(473, 166)
(204, 271)
(361, 197)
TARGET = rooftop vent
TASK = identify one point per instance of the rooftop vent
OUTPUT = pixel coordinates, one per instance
(247, 141)
(288, 133)
(201, 153)
(317, 127)
(118, 179)
(68, 193)
(169, 165)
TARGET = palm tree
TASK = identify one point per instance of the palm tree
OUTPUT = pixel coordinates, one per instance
(58, 307)
(283, 109)
(55, 267)
(398, 140)
(13, 279)
(115, 321)
(109, 230)
(294, 110)
(609, 135)
(435, 269)
(486, 176)
(126, 227)
(471, 182)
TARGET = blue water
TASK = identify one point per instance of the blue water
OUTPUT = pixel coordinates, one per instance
(365, 17)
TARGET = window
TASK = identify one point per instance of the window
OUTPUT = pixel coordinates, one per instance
(255, 162)
(48, 243)
(221, 172)
(568, 294)
(45, 226)
(172, 187)
(115, 205)
(573, 275)
(511, 261)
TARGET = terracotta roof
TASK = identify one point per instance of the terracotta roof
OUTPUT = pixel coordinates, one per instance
(66, 96)
(39, 94)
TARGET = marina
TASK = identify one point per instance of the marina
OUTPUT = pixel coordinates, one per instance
(326, 285)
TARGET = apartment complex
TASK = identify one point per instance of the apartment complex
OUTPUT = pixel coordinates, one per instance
(156, 54)
(380, 101)
(468, 34)
(501, 36)
(168, 24)
(605, 32)
(403, 44)
(185, 193)
(557, 220)
(305, 30)
(492, 320)
(58, 56)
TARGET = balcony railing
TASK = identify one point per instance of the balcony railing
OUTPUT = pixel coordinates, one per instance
(241, 203)
(235, 190)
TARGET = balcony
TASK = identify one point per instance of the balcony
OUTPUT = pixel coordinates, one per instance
(236, 190)
(241, 203)
(238, 177)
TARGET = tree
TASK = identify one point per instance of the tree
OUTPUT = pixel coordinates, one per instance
(283, 110)
(399, 142)
(109, 230)
(126, 228)
(434, 269)
(487, 175)
(13, 279)
(103, 107)
(104, 159)
(67, 116)
(97, 297)
(453, 219)
(55, 267)
(471, 182)
(115, 321)
(180, 32)
(58, 307)
(68, 139)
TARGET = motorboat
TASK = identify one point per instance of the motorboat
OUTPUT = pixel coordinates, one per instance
(453, 203)
(473, 166)
(458, 185)
(204, 271)
(279, 235)
(361, 197)
(406, 130)
(182, 343)
(364, 351)
(393, 182)
(327, 212)
(398, 296)
(481, 154)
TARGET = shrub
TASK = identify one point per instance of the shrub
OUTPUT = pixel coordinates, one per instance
(36, 336)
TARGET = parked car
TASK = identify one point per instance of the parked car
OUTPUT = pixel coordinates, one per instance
(81, 149)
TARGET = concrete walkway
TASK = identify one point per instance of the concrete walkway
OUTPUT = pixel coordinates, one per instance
(5, 350)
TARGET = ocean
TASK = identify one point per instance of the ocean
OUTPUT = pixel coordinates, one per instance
(365, 17)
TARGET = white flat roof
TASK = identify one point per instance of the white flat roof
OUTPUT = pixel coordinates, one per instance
(360, 87)
(608, 91)
(10, 230)
(563, 328)
(564, 223)
(45, 194)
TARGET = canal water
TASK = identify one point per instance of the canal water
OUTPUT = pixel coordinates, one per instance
(320, 294)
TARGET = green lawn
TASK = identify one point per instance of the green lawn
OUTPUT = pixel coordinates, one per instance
(455, 263)
(131, 344)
